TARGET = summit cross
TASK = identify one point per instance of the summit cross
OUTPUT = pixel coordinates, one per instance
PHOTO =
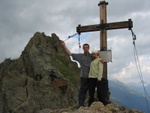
(103, 27)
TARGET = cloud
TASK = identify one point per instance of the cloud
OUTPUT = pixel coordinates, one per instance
(21, 19)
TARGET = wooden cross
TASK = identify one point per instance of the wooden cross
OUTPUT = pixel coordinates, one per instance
(103, 27)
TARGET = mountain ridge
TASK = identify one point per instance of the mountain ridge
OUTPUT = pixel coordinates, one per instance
(44, 80)
(126, 96)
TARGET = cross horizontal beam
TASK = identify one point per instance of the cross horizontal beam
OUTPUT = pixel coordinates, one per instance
(107, 26)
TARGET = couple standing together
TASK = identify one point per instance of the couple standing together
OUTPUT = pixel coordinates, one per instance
(90, 74)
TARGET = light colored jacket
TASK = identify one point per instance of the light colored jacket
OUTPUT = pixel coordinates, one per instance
(96, 68)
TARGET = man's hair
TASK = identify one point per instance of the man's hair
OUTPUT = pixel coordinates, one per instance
(86, 45)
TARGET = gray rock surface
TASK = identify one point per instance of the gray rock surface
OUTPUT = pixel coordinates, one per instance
(42, 77)
(96, 107)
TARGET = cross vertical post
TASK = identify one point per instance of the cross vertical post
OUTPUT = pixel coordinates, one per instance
(103, 27)
(103, 32)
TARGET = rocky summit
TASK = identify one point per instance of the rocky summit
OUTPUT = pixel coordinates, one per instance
(44, 80)
(42, 77)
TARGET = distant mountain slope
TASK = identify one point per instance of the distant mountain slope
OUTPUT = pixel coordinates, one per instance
(139, 87)
(125, 96)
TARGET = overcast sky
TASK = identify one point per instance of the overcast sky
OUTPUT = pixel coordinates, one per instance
(20, 19)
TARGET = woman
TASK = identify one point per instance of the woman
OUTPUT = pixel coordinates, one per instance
(95, 75)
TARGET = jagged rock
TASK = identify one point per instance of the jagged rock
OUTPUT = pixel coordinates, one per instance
(42, 77)
(44, 80)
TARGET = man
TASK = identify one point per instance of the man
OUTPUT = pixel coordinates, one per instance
(84, 60)
(95, 75)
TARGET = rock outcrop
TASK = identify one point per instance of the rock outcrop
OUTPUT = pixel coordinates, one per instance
(96, 107)
(44, 80)
(42, 77)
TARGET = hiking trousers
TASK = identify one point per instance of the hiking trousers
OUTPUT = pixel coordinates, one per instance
(93, 83)
(83, 90)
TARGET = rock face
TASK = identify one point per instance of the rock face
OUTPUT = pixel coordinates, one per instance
(44, 80)
(42, 77)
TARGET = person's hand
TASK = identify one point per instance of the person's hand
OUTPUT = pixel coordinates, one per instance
(102, 61)
(63, 43)
(98, 80)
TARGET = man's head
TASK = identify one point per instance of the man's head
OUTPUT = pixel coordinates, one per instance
(86, 48)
